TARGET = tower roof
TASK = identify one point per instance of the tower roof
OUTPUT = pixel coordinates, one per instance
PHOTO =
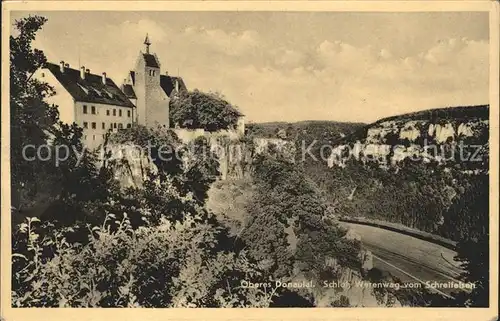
(151, 60)
(147, 41)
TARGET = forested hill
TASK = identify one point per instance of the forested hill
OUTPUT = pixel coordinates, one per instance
(310, 129)
(426, 170)
(462, 114)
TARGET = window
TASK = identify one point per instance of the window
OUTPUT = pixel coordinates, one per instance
(85, 124)
(84, 136)
(84, 89)
(110, 95)
(93, 137)
(110, 125)
(43, 74)
(94, 125)
(120, 126)
(97, 92)
(128, 113)
(85, 109)
(103, 126)
(129, 126)
(114, 125)
(114, 112)
(92, 110)
(107, 112)
(120, 113)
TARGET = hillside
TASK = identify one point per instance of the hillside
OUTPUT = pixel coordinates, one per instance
(315, 129)
(455, 136)
(414, 169)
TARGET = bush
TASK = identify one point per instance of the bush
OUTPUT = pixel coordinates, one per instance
(169, 265)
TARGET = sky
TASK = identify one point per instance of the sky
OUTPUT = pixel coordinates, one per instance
(291, 66)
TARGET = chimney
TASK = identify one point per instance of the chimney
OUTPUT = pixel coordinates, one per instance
(82, 72)
(61, 66)
(104, 78)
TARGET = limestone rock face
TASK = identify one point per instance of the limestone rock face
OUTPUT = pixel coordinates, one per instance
(131, 163)
(391, 142)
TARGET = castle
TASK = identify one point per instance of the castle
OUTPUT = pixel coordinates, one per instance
(98, 105)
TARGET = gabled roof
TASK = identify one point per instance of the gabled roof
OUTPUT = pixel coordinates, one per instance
(91, 89)
(167, 83)
(151, 60)
(128, 90)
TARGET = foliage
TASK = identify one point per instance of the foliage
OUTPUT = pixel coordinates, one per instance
(169, 265)
(321, 132)
(209, 111)
(180, 183)
(44, 179)
(228, 200)
(444, 200)
(473, 248)
(286, 198)
(414, 194)
(30, 116)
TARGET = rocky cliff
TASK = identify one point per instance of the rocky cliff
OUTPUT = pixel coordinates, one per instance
(131, 162)
(452, 137)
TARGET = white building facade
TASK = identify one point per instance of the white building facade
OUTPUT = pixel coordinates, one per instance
(98, 105)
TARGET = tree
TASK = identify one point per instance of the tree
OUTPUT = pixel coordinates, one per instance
(31, 118)
(209, 111)
(473, 247)
(60, 183)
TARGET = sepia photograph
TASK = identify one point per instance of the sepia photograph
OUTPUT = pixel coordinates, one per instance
(248, 159)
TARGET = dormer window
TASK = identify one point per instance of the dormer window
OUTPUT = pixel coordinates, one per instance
(97, 92)
(152, 72)
(84, 89)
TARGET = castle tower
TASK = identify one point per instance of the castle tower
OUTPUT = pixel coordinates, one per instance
(152, 101)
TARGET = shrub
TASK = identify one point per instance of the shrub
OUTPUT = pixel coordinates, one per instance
(169, 265)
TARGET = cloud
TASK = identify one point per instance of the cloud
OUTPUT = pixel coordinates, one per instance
(289, 57)
(288, 80)
(337, 80)
(139, 29)
(219, 40)
(340, 55)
